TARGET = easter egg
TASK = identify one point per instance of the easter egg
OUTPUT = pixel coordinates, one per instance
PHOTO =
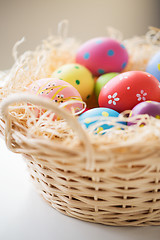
(128, 89)
(151, 108)
(95, 115)
(78, 76)
(57, 91)
(102, 55)
(153, 66)
(102, 80)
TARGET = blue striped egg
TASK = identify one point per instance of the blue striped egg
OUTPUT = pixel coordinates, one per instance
(97, 115)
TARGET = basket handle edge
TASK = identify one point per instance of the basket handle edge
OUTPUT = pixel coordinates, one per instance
(37, 100)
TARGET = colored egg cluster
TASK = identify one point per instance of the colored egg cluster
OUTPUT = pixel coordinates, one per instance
(97, 72)
(78, 76)
(58, 91)
(102, 55)
(153, 66)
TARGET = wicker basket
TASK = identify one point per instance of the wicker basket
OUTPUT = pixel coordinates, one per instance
(93, 180)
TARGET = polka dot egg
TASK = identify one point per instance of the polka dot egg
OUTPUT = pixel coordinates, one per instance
(57, 91)
(102, 55)
(78, 76)
(97, 116)
(153, 66)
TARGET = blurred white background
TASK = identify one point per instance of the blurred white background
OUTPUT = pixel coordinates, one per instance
(88, 18)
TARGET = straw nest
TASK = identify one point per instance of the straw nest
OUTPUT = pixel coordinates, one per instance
(112, 179)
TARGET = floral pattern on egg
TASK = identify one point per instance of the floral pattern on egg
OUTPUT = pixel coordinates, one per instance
(127, 89)
(113, 99)
(141, 96)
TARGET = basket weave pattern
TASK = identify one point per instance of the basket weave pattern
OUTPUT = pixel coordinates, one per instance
(109, 184)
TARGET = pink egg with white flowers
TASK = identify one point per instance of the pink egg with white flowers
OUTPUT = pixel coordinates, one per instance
(58, 91)
(102, 55)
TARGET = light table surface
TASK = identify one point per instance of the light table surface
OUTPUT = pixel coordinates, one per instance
(24, 215)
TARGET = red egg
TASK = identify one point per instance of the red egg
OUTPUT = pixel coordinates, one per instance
(128, 89)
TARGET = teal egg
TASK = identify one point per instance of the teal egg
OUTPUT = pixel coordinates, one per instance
(95, 115)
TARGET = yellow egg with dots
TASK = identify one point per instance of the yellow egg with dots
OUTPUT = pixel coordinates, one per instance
(78, 76)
